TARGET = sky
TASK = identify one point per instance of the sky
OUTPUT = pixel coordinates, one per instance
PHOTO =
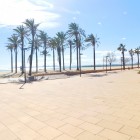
(113, 21)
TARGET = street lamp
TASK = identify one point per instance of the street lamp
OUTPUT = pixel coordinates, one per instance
(103, 62)
(106, 63)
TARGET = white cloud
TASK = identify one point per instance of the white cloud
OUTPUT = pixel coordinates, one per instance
(123, 38)
(99, 23)
(70, 11)
(14, 12)
(74, 18)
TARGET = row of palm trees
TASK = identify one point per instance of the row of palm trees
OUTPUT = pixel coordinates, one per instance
(122, 48)
(74, 38)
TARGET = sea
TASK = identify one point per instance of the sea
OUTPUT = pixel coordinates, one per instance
(49, 68)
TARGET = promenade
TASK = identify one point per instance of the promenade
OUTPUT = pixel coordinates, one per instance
(96, 106)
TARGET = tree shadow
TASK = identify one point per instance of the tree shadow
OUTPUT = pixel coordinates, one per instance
(7, 75)
(96, 75)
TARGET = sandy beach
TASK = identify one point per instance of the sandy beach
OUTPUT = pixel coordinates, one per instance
(96, 106)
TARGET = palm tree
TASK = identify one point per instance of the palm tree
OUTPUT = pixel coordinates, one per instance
(70, 42)
(37, 44)
(93, 41)
(131, 52)
(52, 44)
(111, 58)
(21, 32)
(137, 51)
(76, 32)
(10, 47)
(122, 49)
(62, 38)
(58, 46)
(44, 39)
(32, 28)
(13, 40)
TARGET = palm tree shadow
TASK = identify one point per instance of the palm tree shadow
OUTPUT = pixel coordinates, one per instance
(96, 75)
(29, 81)
(7, 75)
(114, 72)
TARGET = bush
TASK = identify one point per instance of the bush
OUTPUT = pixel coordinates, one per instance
(138, 72)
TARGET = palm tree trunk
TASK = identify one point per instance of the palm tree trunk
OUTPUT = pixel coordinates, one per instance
(16, 59)
(59, 57)
(31, 56)
(77, 46)
(53, 60)
(70, 55)
(79, 60)
(22, 40)
(138, 60)
(11, 60)
(132, 62)
(94, 57)
(63, 57)
(45, 59)
(110, 66)
(123, 61)
(36, 61)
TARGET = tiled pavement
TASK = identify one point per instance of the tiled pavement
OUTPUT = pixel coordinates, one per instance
(87, 108)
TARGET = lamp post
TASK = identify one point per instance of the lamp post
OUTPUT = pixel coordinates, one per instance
(106, 63)
(103, 62)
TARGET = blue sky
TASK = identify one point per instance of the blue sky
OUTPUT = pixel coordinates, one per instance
(113, 21)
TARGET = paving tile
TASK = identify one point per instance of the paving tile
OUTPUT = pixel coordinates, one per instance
(35, 124)
(127, 122)
(55, 123)
(16, 127)
(2, 127)
(27, 134)
(89, 113)
(110, 125)
(106, 117)
(89, 136)
(134, 139)
(25, 119)
(136, 118)
(64, 137)
(90, 119)
(9, 120)
(75, 114)
(71, 130)
(73, 121)
(131, 131)
(91, 127)
(40, 138)
(59, 116)
(123, 114)
(7, 135)
(31, 112)
(49, 132)
(42, 117)
(113, 135)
